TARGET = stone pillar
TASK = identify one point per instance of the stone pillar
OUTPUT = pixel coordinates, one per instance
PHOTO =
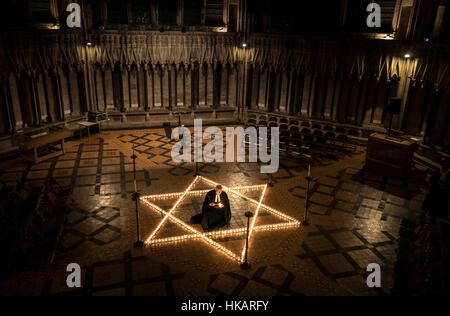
(291, 92)
(59, 102)
(173, 85)
(233, 87)
(5, 95)
(202, 85)
(368, 101)
(15, 104)
(380, 99)
(308, 109)
(210, 86)
(166, 87)
(354, 96)
(35, 100)
(223, 97)
(188, 86)
(298, 91)
(125, 89)
(66, 93)
(284, 90)
(256, 75)
(109, 89)
(133, 88)
(273, 86)
(145, 90)
(331, 84)
(361, 106)
(263, 82)
(181, 86)
(150, 86)
(141, 91)
(158, 86)
(41, 95)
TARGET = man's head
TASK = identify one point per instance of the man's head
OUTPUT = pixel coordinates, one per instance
(219, 190)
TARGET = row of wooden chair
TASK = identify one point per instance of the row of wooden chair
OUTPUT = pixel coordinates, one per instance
(315, 145)
(297, 125)
(327, 134)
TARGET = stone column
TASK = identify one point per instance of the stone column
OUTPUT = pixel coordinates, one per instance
(202, 85)
(223, 98)
(263, 81)
(233, 87)
(108, 82)
(181, 86)
(5, 95)
(331, 84)
(158, 86)
(173, 85)
(166, 87)
(125, 76)
(15, 104)
(284, 90)
(210, 86)
(188, 86)
(133, 88)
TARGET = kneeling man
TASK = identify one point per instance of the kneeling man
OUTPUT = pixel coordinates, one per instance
(216, 211)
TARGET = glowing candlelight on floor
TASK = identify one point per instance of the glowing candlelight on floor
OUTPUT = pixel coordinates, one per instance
(207, 237)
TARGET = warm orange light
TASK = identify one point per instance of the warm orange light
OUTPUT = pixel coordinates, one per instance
(172, 210)
(208, 237)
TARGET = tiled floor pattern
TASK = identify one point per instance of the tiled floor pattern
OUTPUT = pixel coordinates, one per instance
(343, 254)
(98, 226)
(125, 276)
(156, 148)
(355, 219)
(364, 194)
(89, 169)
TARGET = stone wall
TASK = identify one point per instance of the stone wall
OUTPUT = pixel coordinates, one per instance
(51, 76)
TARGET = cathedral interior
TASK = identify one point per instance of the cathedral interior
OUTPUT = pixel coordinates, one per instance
(90, 91)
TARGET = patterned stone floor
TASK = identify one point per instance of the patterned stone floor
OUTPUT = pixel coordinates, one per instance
(354, 217)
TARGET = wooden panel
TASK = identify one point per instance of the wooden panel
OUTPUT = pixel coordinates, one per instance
(389, 155)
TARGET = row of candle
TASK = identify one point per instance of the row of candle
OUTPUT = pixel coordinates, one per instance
(226, 233)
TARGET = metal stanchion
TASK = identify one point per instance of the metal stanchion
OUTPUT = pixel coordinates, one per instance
(135, 196)
(305, 221)
(271, 184)
(196, 158)
(245, 265)
(196, 170)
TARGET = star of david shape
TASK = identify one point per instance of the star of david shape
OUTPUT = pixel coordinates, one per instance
(207, 237)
